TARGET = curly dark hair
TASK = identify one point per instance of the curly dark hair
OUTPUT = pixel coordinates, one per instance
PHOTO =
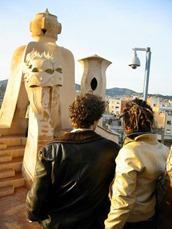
(85, 110)
(137, 116)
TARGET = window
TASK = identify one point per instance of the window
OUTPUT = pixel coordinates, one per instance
(168, 122)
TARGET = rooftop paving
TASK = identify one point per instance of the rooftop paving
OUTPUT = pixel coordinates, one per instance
(13, 211)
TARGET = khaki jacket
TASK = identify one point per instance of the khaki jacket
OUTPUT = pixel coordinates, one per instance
(169, 172)
(138, 164)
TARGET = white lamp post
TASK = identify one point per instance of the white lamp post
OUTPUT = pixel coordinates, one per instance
(135, 62)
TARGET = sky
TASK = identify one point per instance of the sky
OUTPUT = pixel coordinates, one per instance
(108, 28)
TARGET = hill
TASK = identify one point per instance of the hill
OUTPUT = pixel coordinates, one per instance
(113, 92)
(120, 92)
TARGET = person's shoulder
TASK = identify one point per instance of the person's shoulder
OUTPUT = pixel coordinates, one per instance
(112, 143)
(164, 147)
(163, 150)
(132, 150)
(49, 151)
(132, 145)
(130, 158)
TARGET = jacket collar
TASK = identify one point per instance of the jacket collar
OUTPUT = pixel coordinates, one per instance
(147, 137)
(79, 137)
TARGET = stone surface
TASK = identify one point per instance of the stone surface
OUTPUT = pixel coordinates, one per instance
(12, 140)
(11, 158)
(13, 151)
(16, 181)
(7, 190)
(5, 158)
(7, 173)
(13, 211)
(15, 164)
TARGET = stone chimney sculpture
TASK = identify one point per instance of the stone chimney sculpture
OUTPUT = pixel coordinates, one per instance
(94, 75)
(41, 87)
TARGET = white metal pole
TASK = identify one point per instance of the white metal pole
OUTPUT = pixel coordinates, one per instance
(147, 71)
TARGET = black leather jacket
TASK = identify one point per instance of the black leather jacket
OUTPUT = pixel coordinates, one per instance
(72, 179)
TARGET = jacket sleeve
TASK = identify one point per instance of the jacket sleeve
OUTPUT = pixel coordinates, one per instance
(123, 188)
(38, 199)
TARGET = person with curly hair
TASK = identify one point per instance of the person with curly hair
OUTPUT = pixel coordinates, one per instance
(74, 172)
(86, 110)
(138, 165)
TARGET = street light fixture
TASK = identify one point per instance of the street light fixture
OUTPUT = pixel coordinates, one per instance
(135, 62)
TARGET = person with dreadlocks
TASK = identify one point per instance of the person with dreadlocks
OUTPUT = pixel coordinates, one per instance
(138, 165)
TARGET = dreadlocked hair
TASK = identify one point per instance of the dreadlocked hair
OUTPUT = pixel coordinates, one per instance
(138, 116)
(85, 110)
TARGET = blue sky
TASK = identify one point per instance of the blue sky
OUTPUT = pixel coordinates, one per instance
(109, 28)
